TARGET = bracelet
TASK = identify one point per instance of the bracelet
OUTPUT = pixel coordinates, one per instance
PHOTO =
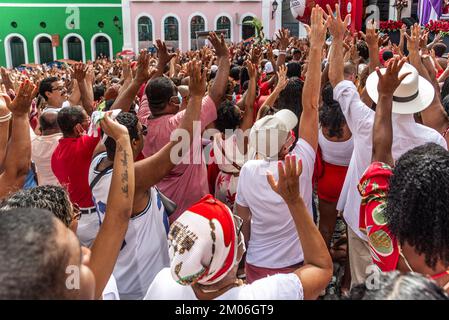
(6, 117)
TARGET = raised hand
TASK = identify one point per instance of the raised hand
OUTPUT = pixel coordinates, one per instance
(317, 30)
(288, 184)
(162, 53)
(284, 39)
(79, 72)
(414, 39)
(252, 69)
(424, 39)
(126, 68)
(21, 105)
(112, 128)
(219, 44)
(372, 37)
(197, 79)
(282, 78)
(390, 80)
(143, 72)
(337, 27)
(6, 78)
(256, 55)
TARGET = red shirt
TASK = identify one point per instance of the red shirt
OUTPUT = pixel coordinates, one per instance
(265, 88)
(70, 163)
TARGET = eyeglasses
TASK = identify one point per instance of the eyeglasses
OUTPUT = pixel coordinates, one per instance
(60, 88)
(76, 212)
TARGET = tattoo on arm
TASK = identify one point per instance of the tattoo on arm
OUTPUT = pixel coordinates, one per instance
(124, 175)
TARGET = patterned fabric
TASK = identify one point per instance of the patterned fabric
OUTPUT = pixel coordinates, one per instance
(373, 188)
(202, 243)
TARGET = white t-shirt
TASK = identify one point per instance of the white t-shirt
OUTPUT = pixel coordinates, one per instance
(277, 287)
(110, 292)
(144, 251)
(65, 104)
(336, 153)
(274, 241)
(42, 148)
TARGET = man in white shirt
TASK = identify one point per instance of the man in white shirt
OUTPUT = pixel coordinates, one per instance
(407, 134)
(54, 92)
(42, 147)
(272, 241)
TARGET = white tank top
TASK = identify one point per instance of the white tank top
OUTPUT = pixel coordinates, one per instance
(336, 153)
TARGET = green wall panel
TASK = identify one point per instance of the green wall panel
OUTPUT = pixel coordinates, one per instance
(28, 25)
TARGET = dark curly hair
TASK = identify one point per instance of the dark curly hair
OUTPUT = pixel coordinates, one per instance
(52, 198)
(331, 116)
(227, 117)
(291, 97)
(417, 210)
(130, 121)
(397, 286)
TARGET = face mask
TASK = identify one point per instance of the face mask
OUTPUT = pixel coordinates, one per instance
(180, 98)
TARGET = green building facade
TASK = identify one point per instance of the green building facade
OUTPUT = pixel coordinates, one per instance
(48, 30)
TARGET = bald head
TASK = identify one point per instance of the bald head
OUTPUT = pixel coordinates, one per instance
(48, 121)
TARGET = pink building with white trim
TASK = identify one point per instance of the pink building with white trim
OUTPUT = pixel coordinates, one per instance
(176, 21)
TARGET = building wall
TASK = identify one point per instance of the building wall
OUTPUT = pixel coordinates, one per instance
(185, 10)
(28, 17)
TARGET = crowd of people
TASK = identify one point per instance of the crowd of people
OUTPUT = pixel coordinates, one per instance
(222, 173)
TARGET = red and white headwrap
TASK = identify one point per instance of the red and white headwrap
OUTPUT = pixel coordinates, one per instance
(202, 243)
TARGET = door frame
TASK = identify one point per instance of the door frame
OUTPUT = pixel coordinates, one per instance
(66, 47)
(8, 48)
(93, 49)
(37, 54)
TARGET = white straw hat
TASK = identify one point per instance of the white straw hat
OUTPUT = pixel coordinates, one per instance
(414, 94)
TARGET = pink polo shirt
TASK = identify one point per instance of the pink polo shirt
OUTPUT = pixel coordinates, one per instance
(186, 183)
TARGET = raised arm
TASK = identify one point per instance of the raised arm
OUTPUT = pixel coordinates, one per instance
(146, 175)
(337, 28)
(79, 72)
(382, 130)
(107, 244)
(18, 153)
(5, 119)
(308, 124)
(270, 101)
(163, 57)
(285, 40)
(220, 84)
(372, 40)
(248, 116)
(143, 74)
(434, 115)
(316, 272)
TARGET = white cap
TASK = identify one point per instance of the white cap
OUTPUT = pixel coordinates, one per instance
(275, 52)
(270, 133)
(214, 68)
(268, 68)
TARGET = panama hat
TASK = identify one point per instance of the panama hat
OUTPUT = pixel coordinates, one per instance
(414, 94)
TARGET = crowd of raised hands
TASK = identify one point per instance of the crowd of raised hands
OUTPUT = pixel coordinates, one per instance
(257, 78)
